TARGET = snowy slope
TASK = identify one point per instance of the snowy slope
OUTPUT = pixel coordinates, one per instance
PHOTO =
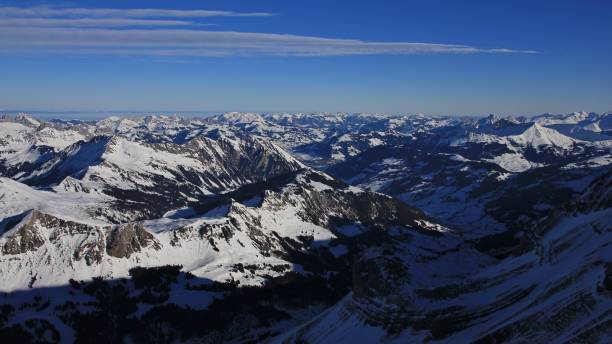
(302, 213)
(505, 301)
(160, 177)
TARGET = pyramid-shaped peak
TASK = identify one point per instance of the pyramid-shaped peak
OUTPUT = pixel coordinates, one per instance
(536, 135)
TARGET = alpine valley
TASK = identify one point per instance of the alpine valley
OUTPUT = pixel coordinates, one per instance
(306, 228)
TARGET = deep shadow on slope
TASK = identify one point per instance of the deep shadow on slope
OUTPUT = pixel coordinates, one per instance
(144, 308)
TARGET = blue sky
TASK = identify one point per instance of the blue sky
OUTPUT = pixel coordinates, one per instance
(472, 57)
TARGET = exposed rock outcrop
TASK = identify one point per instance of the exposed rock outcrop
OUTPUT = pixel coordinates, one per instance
(27, 237)
(123, 241)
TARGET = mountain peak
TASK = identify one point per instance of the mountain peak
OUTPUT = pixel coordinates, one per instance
(495, 122)
(240, 117)
(536, 135)
(21, 118)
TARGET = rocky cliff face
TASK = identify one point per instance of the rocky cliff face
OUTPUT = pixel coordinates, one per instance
(123, 241)
(25, 238)
(394, 299)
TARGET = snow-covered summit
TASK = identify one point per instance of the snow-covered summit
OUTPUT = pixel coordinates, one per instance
(537, 135)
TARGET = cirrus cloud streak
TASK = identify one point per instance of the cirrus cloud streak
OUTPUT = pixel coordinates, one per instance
(93, 22)
(209, 43)
(45, 12)
(141, 32)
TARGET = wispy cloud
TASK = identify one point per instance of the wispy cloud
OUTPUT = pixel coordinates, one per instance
(44, 11)
(140, 32)
(93, 22)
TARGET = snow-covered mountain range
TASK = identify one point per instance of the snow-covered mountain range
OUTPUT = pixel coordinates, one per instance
(247, 227)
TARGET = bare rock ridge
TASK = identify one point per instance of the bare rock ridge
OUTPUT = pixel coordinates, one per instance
(25, 238)
(125, 240)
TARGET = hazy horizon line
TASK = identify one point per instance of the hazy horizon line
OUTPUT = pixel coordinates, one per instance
(45, 114)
